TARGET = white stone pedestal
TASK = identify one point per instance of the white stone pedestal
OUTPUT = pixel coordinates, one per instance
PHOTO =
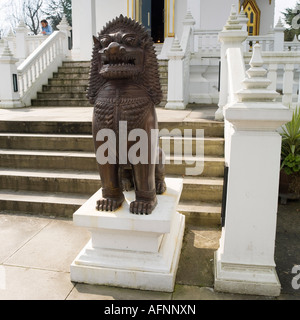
(132, 251)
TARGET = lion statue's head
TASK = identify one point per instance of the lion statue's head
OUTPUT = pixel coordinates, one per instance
(124, 50)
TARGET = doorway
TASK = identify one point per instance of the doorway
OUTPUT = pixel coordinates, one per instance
(151, 15)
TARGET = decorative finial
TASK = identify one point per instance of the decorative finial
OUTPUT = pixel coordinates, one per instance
(233, 23)
(256, 86)
(279, 24)
(6, 51)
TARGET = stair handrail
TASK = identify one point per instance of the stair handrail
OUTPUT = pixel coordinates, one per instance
(236, 72)
(39, 66)
(41, 63)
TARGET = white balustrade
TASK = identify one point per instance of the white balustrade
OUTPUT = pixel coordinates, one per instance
(266, 42)
(292, 45)
(208, 43)
(39, 66)
(34, 41)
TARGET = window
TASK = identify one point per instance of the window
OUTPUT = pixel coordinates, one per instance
(253, 13)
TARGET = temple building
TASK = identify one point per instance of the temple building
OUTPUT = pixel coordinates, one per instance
(163, 18)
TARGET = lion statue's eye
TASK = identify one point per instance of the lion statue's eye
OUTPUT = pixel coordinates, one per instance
(105, 42)
(130, 40)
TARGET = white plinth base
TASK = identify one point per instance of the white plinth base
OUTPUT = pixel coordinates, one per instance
(132, 251)
(175, 105)
(246, 279)
(10, 104)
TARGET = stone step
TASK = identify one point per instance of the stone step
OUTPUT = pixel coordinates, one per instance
(83, 182)
(184, 145)
(41, 203)
(71, 75)
(46, 142)
(202, 189)
(74, 64)
(53, 160)
(212, 146)
(68, 82)
(74, 160)
(74, 69)
(163, 62)
(163, 74)
(213, 129)
(47, 127)
(201, 166)
(164, 82)
(201, 213)
(62, 95)
(65, 89)
(65, 204)
(60, 102)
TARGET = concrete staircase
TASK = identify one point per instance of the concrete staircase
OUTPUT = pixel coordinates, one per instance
(49, 167)
(68, 86)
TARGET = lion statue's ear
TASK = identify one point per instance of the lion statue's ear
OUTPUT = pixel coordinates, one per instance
(96, 41)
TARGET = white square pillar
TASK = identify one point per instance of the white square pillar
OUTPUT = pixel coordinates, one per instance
(9, 95)
(83, 28)
(244, 262)
(245, 259)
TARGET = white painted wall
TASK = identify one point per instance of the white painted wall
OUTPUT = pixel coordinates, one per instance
(180, 13)
(84, 26)
(267, 15)
(214, 13)
(108, 10)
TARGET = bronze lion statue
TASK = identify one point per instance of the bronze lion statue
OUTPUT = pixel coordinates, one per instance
(124, 87)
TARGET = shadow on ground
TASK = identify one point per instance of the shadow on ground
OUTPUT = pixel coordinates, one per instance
(287, 250)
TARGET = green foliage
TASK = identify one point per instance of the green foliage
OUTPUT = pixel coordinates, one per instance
(291, 164)
(290, 150)
(55, 10)
(289, 15)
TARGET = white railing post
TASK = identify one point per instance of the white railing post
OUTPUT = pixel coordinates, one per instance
(279, 36)
(175, 77)
(244, 262)
(242, 18)
(21, 42)
(232, 36)
(272, 75)
(288, 82)
(9, 95)
(65, 28)
(11, 40)
(179, 67)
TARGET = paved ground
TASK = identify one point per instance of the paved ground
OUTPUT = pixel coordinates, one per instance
(85, 114)
(36, 253)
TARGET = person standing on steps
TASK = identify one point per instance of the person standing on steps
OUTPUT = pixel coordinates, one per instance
(46, 28)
